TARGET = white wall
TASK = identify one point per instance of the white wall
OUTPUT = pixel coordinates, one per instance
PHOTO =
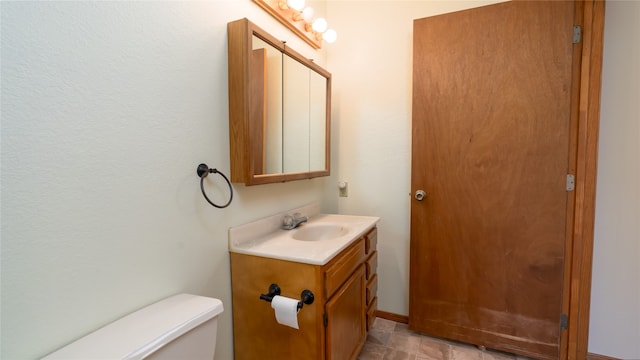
(615, 296)
(107, 109)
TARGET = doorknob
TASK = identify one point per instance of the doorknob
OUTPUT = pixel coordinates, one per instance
(420, 195)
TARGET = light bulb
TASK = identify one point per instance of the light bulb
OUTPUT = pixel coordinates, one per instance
(330, 36)
(307, 14)
(320, 25)
(296, 4)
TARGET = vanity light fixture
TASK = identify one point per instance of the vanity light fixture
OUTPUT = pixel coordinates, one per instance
(320, 25)
(330, 36)
(307, 14)
(297, 5)
(300, 19)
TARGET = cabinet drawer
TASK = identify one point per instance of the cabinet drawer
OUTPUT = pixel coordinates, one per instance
(372, 289)
(371, 265)
(371, 313)
(371, 241)
(341, 267)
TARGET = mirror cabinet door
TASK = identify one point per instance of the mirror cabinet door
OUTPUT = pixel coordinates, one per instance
(318, 100)
(269, 100)
(304, 118)
(295, 116)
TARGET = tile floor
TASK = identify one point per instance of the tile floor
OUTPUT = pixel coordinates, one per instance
(389, 340)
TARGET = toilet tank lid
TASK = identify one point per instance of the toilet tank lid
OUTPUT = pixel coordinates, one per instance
(141, 333)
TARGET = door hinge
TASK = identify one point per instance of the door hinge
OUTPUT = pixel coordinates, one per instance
(571, 182)
(325, 319)
(577, 33)
(564, 322)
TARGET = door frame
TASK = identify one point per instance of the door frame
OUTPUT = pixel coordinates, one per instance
(576, 302)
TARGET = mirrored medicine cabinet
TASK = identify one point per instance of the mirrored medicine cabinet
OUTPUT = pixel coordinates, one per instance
(279, 109)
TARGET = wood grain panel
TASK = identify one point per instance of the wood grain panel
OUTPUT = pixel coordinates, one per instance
(371, 265)
(372, 312)
(338, 270)
(372, 288)
(239, 40)
(346, 324)
(586, 172)
(254, 326)
(491, 133)
(371, 241)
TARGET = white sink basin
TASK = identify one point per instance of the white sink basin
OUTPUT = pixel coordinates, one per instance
(316, 241)
(319, 232)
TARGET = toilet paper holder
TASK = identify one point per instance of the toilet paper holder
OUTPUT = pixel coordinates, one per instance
(306, 297)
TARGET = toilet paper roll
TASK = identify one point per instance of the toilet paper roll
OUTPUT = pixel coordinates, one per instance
(286, 310)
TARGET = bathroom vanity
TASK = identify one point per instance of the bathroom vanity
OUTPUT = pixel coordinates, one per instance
(333, 256)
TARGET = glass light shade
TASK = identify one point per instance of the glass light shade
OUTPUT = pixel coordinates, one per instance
(330, 36)
(320, 25)
(307, 14)
(296, 4)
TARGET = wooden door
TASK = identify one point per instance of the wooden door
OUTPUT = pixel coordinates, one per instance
(491, 145)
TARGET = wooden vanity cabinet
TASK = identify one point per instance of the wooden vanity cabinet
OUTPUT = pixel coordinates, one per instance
(333, 327)
(371, 275)
(345, 312)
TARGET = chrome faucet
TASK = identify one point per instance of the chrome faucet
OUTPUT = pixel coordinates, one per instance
(290, 222)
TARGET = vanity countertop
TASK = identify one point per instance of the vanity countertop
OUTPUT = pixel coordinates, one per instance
(265, 238)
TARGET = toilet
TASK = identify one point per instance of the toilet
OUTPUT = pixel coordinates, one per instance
(183, 326)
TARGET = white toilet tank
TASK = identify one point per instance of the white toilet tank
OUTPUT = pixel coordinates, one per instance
(183, 326)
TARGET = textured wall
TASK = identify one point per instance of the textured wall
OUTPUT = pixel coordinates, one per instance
(107, 108)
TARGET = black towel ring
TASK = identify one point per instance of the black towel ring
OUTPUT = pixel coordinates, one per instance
(204, 170)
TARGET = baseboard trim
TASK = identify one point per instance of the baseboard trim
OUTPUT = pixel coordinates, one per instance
(393, 317)
(405, 320)
(591, 356)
